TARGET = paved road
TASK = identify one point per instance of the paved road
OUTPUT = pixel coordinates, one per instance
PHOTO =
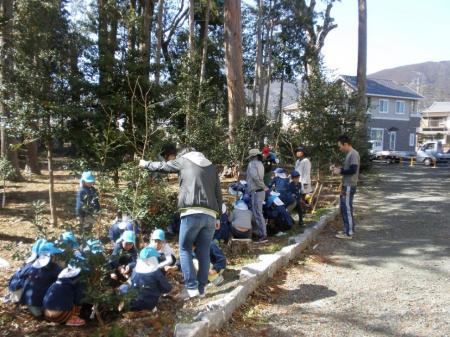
(393, 279)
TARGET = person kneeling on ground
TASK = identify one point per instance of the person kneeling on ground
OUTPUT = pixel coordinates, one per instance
(166, 257)
(124, 256)
(63, 298)
(148, 280)
(241, 221)
(40, 277)
(275, 210)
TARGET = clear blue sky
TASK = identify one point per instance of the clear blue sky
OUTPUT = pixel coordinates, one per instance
(400, 32)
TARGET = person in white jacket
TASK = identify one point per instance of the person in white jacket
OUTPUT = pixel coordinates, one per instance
(303, 166)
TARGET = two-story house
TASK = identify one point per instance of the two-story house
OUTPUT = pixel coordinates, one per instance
(393, 116)
(435, 123)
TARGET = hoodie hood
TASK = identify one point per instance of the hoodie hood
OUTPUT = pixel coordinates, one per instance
(197, 158)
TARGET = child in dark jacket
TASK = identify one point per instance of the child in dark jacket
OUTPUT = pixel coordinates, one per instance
(295, 189)
(147, 280)
(87, 204)
(124, 256)
(224, 232)
(63, 298)
(119, 226)
(280, 183)
(17, 280)
(40, 277)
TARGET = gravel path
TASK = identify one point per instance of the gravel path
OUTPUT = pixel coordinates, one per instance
(393, 279)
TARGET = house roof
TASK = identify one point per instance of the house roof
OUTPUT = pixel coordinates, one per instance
(380, 87)
(439, 107)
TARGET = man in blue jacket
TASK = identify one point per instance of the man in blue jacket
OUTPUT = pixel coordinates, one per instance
(199, 203)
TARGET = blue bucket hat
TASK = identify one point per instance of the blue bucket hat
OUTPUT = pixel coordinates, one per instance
(148, 252)
(49, 248)
(94, 246)
(35, 250)
(45, 254)
(87, 177)
(158, 234)
(129, 237)
(278, 170)
(69, 238)
(295, 174)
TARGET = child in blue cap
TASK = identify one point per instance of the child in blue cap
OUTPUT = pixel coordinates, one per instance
(122, 223)
(63, 299)
(280, 184)
(166, 256)
(147, 280)
(42, 274)
(124, 256)
(17, 280)
(87, 203)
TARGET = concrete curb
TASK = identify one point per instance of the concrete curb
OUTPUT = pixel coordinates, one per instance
(252, 276)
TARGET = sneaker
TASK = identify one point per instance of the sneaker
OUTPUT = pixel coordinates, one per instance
(340, 232)
(263, 239)
(188, 294)
(279, 234)
(218, 280)
(344, 236)
(75, 321)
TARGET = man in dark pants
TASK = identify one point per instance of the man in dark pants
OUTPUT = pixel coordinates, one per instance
(199, 203)
(349, 172)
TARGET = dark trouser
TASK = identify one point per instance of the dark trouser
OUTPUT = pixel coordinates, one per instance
(241, 235)
(297, 206)
(346, 205)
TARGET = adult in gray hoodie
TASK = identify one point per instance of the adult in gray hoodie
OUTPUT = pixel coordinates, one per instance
(199, 203)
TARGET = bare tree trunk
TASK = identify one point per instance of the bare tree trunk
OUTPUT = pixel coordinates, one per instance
(191, 30)
(132, 29)
(159, 41)
(148, 7)
(205, 43)
(258, 62)
(32, 157)
(51, 183)
(233, 62)
(262, 76)
(362, 56)
(280, 100)
(269, 47)
(6, 12)
(102, 38)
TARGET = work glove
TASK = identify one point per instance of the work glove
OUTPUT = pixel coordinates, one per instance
(143, 163)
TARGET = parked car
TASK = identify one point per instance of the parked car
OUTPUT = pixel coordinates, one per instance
(432, 152)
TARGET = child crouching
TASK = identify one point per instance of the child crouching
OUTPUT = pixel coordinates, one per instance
(147, 280)
(63, 298)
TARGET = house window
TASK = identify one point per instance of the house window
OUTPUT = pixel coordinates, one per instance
(383, 106)
(412, 139)
(399, 107)
(376, 136)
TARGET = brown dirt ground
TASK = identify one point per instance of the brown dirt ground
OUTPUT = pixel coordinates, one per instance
(17, 233)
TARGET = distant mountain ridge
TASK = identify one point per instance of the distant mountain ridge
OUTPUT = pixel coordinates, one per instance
(430, 79)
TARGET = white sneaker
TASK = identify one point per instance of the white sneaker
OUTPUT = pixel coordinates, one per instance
(188, 294)
(344, 236)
